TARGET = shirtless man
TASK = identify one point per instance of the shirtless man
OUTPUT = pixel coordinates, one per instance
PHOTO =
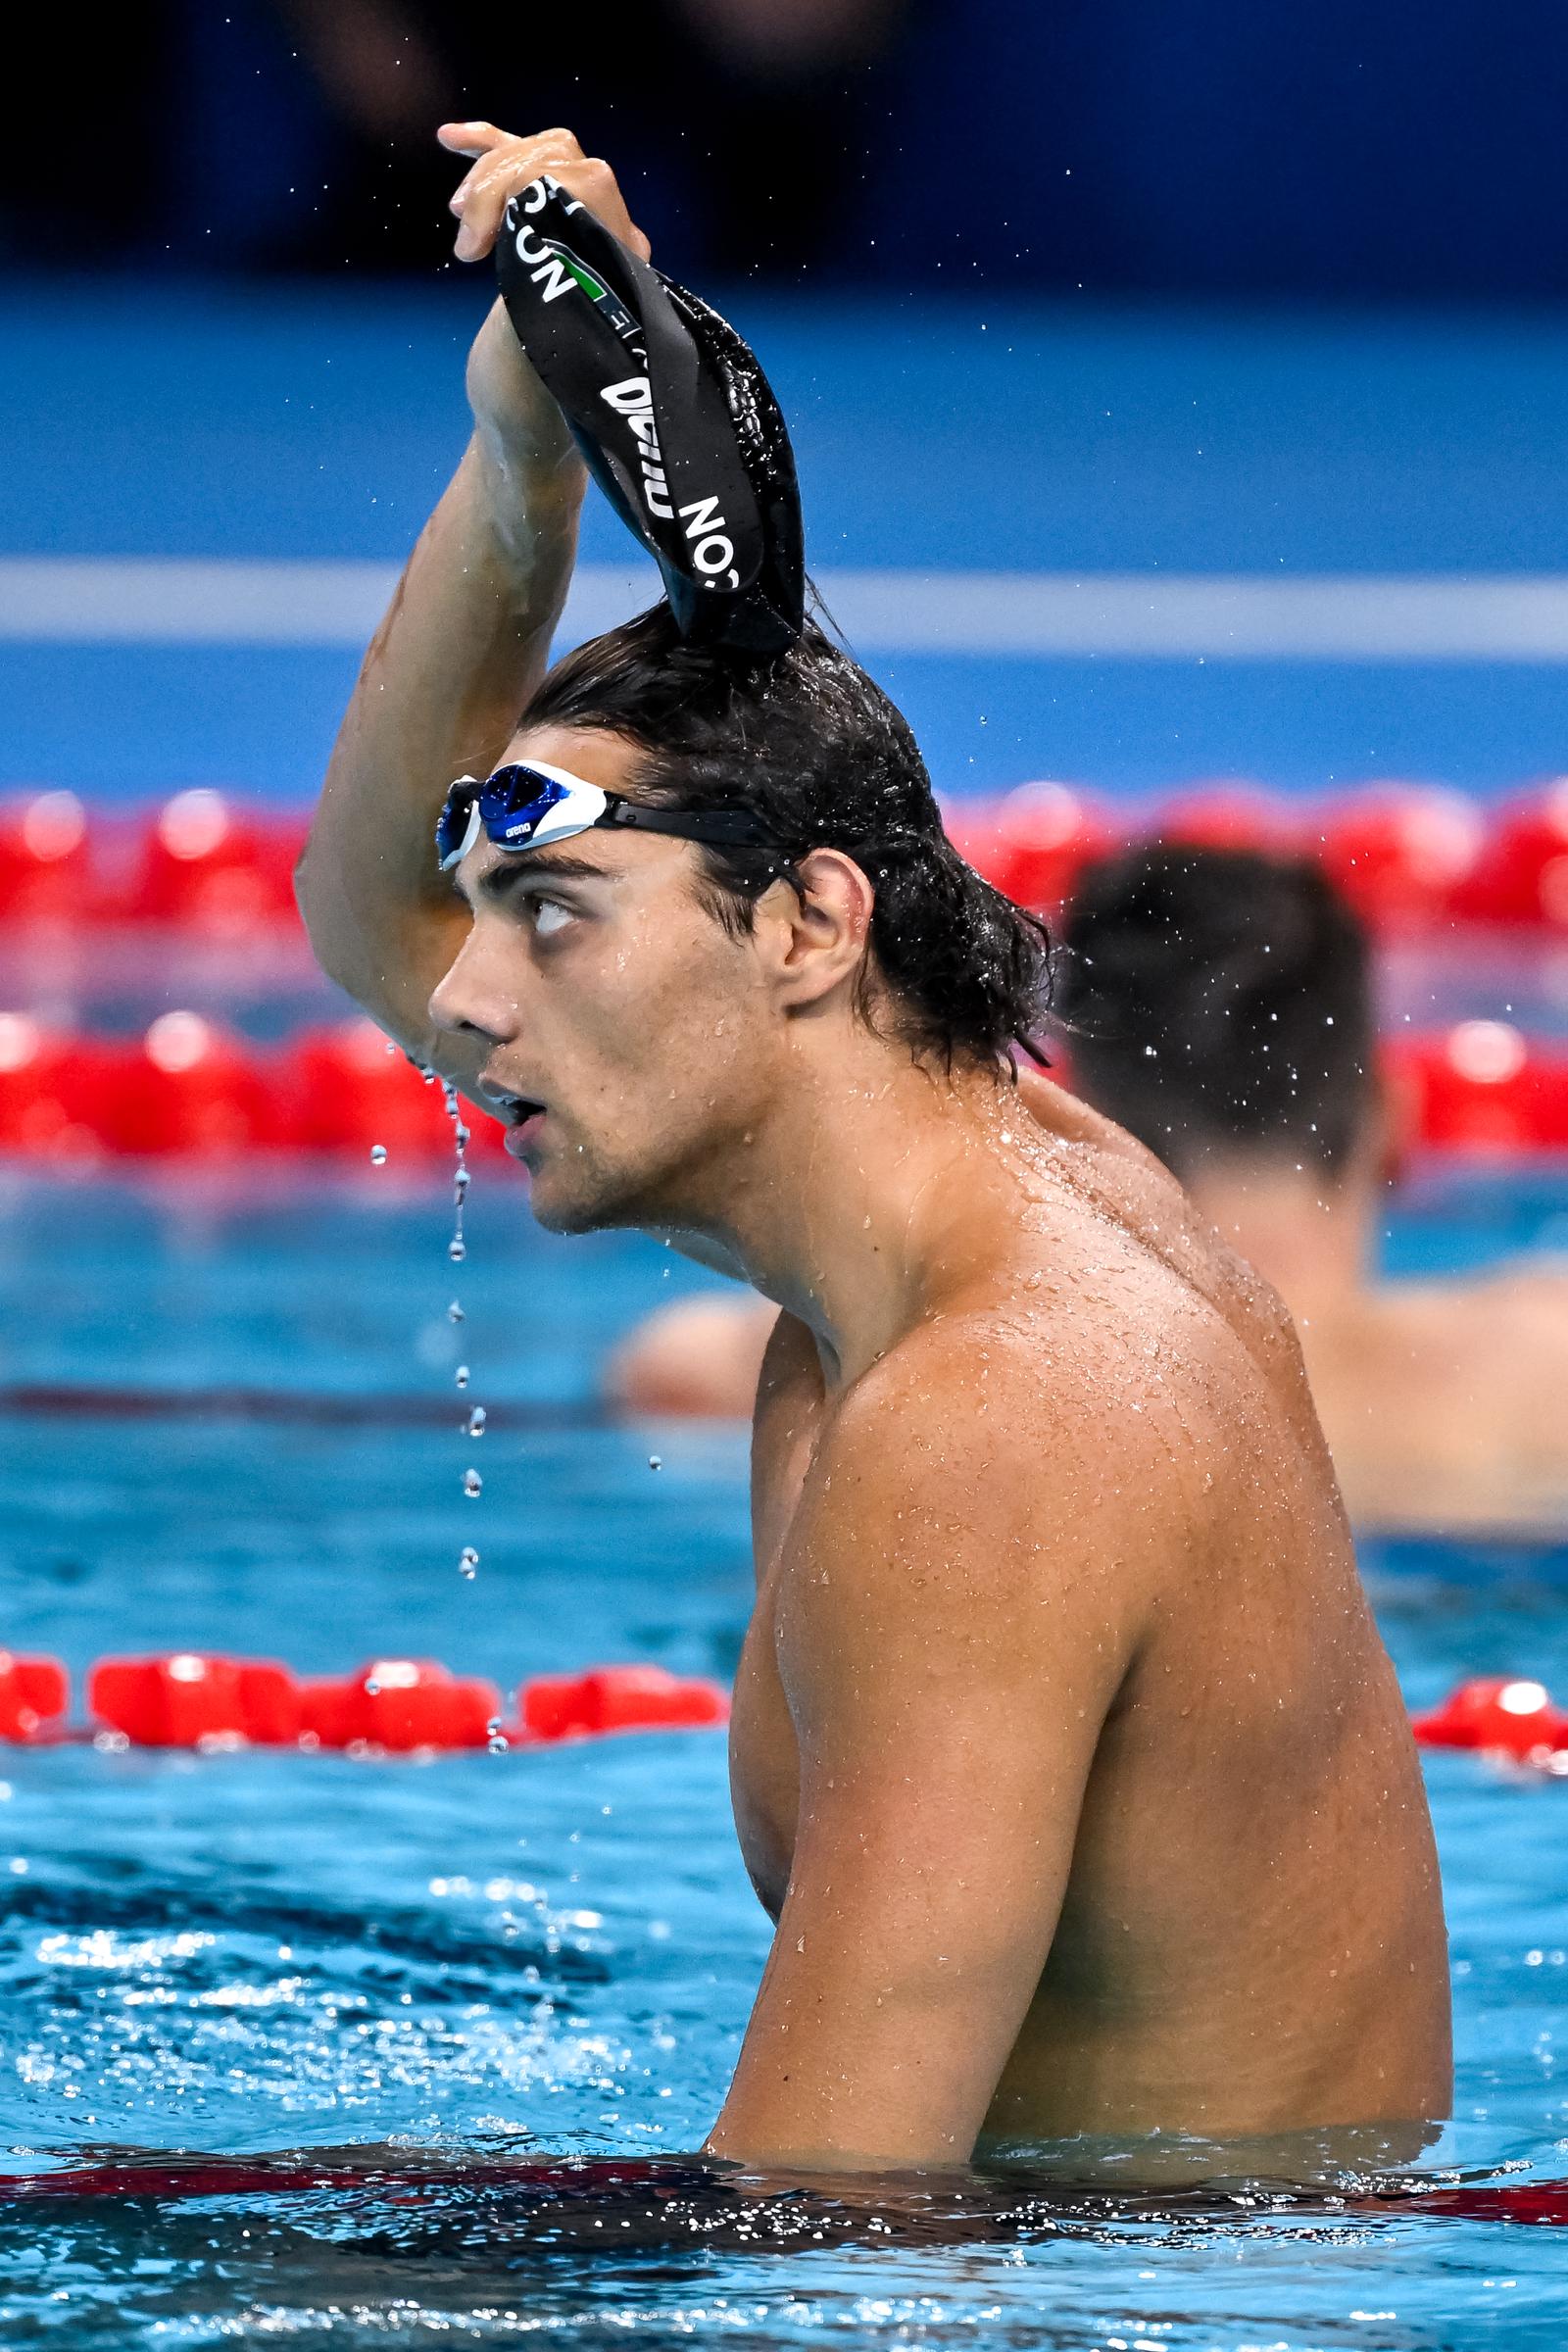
(1065, 1753)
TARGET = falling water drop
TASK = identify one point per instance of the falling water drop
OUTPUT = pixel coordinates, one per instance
(378, 1156)
(656, 1461)
(498, 1741)
(476, 1420)
(457, 1249)
(460, 1376)
(454, 1312)
(472, 1484)
(468, 1560)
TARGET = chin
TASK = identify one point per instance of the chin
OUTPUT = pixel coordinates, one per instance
(584, 1206)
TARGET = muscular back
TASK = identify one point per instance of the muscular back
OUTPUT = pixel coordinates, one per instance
(1098, 1547)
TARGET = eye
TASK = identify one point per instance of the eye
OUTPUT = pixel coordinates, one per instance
(549, 917)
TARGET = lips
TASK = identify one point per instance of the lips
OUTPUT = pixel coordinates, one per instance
(519, 1115)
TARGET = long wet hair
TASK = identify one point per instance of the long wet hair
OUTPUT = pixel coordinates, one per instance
(811, 744)
(1217, 1004)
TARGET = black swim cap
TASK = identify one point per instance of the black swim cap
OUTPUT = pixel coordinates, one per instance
(675, 420)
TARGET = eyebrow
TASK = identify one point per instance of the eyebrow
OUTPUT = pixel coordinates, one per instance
(498, 881)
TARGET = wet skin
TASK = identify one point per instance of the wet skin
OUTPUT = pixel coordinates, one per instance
(1067, 1756)
(1192, 1761)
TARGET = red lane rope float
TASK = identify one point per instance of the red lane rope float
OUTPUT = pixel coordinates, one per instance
(1501, 1716)
(34, 1694)
(199, 1698)
(392, 1705)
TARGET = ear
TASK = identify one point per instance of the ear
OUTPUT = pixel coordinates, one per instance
(815, 941)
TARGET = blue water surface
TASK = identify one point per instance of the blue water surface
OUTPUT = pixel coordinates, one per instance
(509, 1955)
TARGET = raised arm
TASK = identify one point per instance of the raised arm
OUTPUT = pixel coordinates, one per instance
(950, 1638)
(463, 645)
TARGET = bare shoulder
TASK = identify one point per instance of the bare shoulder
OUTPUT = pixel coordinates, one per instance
(1125, 1181)
(961, 1478)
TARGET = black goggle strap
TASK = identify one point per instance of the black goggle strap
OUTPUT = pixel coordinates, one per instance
(726, 828)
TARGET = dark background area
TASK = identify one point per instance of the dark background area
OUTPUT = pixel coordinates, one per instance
(1209, 148)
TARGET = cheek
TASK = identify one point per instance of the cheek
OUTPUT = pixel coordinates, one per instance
(678, 1006)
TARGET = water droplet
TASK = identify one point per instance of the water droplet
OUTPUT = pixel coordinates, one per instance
(457, 1249)
(460, 1376)
(476, 1421)
(454, 1312)
(472, 1484)
(461, 1181)
(499, 1743)
(378, 1156)
(468, 1560)
(373, 1688)
(656, 1461)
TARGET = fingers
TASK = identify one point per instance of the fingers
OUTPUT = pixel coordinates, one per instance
(502, 165)
(470, 138)
(594, 184)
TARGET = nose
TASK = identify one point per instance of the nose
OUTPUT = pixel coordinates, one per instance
(476, 993)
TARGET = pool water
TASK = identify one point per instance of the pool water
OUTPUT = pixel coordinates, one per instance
(489, 1958)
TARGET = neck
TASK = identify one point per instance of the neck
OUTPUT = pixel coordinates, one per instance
(1308, 1231)
(866, 1189)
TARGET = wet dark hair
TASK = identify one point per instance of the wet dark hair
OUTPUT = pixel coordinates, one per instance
(811, 745)
(1217, 1002)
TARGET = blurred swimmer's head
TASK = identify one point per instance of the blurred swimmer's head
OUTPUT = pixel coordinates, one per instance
(1219, 1008)
(659, 997)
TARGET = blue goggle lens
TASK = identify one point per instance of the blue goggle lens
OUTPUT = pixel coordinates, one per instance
(511, 807)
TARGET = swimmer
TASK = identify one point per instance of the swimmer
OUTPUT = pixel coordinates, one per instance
(1066, 1757)
(1221, 1008)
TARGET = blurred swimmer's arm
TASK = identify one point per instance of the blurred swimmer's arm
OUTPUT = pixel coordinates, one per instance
(462, 647)
(950, 1637)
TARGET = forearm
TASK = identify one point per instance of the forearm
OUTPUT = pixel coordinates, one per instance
(463, 646)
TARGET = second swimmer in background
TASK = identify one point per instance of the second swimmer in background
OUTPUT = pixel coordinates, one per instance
(1219, 1006)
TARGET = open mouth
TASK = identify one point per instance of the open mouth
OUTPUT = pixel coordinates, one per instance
(519, 1115)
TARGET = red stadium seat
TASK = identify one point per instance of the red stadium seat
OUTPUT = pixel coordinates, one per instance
(1522, 874)
(191, 1699)
(1481, 1087)
(1225, 816)
(191, 1086)
(53, 1090)
(1402, 854)
(355, 1089)
(1032, 843)
(45, 873)
(209, 867)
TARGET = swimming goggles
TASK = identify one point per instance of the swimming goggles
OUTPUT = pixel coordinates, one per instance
(529, 804)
